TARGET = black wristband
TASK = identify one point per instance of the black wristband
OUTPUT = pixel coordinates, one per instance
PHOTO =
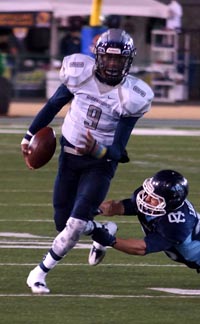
(28, 136)
(114, 241)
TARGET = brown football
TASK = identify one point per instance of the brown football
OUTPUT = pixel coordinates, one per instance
(42, 147)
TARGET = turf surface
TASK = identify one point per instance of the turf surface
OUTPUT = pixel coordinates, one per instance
(115, 292)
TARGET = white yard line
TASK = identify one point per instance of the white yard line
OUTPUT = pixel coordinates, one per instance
(165, 132)
(98, 296)
(178, 291)
(120, 265)
(136, 131)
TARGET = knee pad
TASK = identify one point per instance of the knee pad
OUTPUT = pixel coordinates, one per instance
(68, 238)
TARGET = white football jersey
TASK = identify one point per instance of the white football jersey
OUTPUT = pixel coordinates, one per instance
(97, 106)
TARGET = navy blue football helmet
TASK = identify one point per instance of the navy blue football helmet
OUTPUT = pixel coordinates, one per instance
(169, 188)
(114, 51)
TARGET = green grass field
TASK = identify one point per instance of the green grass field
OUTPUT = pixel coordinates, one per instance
(115, 292)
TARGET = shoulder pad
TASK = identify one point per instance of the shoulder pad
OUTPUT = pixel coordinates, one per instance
(140, 96)
(141, 88)
(75, 69)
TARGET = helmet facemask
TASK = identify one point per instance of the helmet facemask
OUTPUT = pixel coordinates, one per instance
(113, 67)
(168, 187)
(114, 55)
(144, 206)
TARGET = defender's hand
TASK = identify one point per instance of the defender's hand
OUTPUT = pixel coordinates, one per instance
(103, 237)
(111, 208)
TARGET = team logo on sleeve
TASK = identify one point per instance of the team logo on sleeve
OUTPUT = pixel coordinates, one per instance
(139, 91)
(76, 64)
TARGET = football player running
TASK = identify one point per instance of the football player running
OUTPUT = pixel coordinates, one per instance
(105, 104)
(169, 221)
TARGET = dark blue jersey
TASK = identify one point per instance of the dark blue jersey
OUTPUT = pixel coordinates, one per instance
(177, 233)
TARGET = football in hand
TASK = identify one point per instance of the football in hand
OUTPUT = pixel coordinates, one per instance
(42, 147)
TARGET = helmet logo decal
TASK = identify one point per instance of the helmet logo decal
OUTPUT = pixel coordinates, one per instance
(126, 52)
(101, 50)
(111, 50)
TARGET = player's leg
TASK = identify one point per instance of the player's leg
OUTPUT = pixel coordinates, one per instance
(93, 188)
(62, 244)
(65, 190)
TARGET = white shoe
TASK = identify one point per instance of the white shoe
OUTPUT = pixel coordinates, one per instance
(98, 251)
(37, 283)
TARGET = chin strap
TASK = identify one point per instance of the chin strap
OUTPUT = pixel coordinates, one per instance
(106, 80)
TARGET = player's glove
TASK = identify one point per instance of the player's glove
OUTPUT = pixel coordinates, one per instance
(125, 157)
(24, 147)
(103, 237)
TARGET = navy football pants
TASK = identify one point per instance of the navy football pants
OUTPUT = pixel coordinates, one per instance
(80, 187)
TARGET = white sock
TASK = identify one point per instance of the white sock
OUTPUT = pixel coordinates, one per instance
(49, 262)
(40, 273)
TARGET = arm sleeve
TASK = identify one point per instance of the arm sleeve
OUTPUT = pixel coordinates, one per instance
(60, 98)
(129, 208)
(122, 134)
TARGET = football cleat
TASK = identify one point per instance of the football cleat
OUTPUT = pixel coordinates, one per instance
(37, 283)
(98, 251)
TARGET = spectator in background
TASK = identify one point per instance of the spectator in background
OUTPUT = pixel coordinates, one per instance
(113, 21)
(70, 43)
(173, 22)
(17, 41)
(175, 13)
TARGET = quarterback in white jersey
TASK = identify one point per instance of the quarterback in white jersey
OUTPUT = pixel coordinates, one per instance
(96, 105)
(105, 104)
